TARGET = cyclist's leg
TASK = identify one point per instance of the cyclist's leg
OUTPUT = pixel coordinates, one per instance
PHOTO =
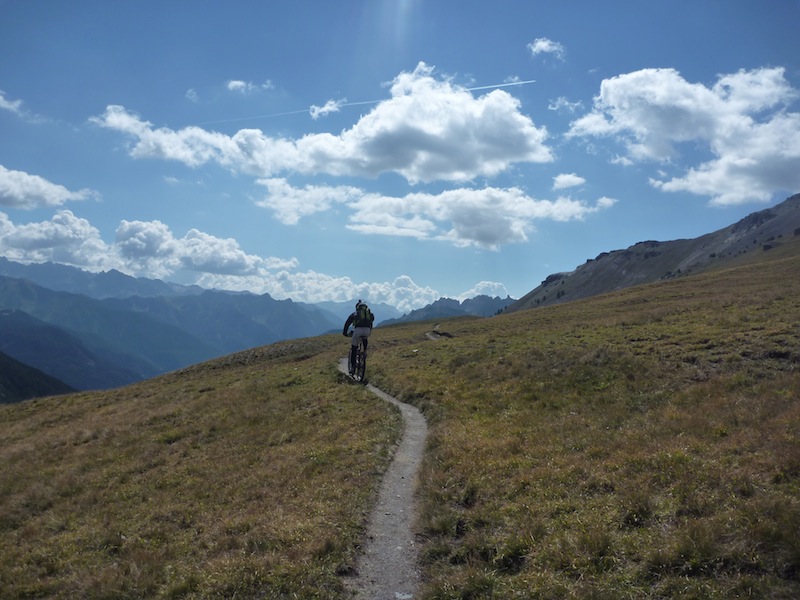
(364, 335)
(353, 351)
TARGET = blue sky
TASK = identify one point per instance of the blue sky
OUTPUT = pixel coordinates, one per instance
(396, 151)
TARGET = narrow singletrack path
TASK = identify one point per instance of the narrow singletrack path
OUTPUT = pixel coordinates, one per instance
(388, 567)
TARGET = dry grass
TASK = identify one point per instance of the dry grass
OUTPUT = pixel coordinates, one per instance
(644, 444)
(247, 477)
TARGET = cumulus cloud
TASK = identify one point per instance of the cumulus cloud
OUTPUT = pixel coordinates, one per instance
(65, 239)
(546, 46)
(149, 247)
(141, 248)
(485, 288)
(430, 129)
(567, 180)
(487, 217)
(742, 120)
(290, 204)
(23, 190)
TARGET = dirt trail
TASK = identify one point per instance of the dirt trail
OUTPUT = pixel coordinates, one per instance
(388, 568)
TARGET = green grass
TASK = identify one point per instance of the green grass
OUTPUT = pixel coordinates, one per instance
(642, 444)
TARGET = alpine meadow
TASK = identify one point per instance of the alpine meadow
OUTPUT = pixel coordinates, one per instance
(638, 444)
(577, 227)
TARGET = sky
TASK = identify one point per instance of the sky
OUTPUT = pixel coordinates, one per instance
(396, 151)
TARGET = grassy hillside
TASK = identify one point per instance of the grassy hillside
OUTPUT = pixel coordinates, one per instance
(642, 444)
(235, 478)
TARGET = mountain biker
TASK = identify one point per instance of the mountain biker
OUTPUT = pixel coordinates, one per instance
(361, 320)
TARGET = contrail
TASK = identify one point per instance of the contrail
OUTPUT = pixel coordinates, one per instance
(499, 85)
(306, 110)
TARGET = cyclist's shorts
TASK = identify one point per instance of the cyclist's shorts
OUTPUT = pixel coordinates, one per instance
(360, 332)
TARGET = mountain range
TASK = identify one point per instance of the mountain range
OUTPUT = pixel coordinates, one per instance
(444, 308)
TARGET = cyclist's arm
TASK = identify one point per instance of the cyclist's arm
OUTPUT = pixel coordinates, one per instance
(347, 323)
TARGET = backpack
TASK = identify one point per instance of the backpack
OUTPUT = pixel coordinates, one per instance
(363, 316)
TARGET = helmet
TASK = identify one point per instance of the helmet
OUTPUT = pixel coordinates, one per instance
(359, 303)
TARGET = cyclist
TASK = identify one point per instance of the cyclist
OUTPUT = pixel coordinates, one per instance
(361, 320)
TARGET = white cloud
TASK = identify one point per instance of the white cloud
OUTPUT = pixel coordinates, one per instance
(64, 239)
(563, 105)
(208, 254)
(150, 248)
(428, 130)
(14, 106)
(192, 96)
(605, 202)
(487, 217)
(22, 190)
(145, 239)
(546, 46)
(742, 120)
(485, 288)
(329, 107)
(247, 87)
(290, 204)
(141, 248)
(567, 180)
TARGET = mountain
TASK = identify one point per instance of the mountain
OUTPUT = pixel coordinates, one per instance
(130, 340)
(231, 322)
(61, 355)
(480, 306)
(651, 261)
(106, 284)
(140, 337)
(19, 381)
